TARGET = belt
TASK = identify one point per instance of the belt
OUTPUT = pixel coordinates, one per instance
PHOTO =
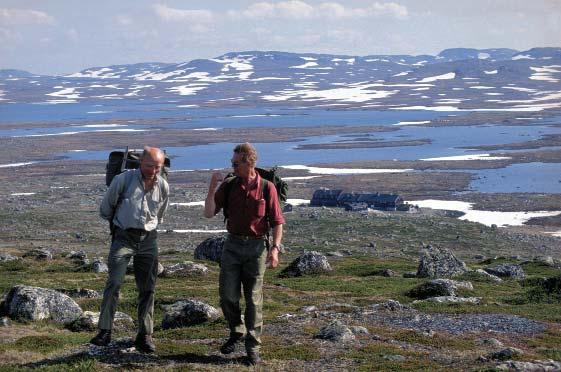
(247, 237)
(137, 231)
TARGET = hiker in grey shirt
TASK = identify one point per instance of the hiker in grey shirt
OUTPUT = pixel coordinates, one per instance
(134, 205)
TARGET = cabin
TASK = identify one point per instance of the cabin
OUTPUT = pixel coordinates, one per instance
(356, 201)
(325, 198)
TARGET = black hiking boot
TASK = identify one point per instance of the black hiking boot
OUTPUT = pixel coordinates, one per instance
(253, 358)
(144, 343)
(230, 345)
(103, 338)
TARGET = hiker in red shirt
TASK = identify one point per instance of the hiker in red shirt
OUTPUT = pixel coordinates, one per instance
(251, 207)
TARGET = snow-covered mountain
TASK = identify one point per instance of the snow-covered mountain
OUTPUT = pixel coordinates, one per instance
(460, 78)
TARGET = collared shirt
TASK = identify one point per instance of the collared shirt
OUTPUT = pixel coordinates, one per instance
(130, 206)
(249, 212)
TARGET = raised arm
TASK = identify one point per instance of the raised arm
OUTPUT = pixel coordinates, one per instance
(210, 205)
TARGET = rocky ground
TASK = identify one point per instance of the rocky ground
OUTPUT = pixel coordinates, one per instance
(367, 312)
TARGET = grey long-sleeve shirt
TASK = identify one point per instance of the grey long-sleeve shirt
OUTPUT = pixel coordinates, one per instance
(131, 206)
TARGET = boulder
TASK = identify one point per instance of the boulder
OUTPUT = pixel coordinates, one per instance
(452, 300)
(6, 257)
(534, 366)
(309, 263)
(507, 271)
(545, 261)
(185, 269)
(79, 256)
(80, 292)
(506, 354)
(439, 263)
(390, 305)
(210, 249)
(484, 273)
(98, 266)
(438, 287)
(335, 331)
(39, 254)
(34, 303)
(188, 312)
(89, 319)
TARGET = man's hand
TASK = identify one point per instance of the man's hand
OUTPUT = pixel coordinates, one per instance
(272, 258)
(210, 206)
(215, 180)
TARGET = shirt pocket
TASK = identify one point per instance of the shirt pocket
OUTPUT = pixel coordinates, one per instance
(260, 208)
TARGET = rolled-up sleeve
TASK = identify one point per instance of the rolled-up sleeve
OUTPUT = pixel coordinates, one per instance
(275, 212)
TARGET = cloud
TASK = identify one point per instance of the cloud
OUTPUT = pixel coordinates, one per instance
(24, 16)
(296, 9)
(123, 20)
(179, 15)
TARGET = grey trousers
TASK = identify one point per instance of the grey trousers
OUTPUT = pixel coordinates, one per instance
(243, 267)
(144, 249)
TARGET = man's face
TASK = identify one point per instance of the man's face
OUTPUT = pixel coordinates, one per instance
(150, 167)
(240, 167)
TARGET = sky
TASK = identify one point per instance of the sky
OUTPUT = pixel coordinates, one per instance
(58, 37)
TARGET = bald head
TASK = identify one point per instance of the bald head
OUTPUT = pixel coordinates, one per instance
(151, 162)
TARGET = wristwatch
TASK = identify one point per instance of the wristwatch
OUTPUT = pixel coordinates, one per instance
(277, 246)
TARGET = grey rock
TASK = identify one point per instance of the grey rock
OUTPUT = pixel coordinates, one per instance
(77, 256)
(188, 312)
(98, 266)
(39, 254)
(335, 331)
(452, 300)
(410, 274)
(545, 260)
(5, 322)
(439, 263)
(34, 303)
(334, 254)
(390, 305)
(309, 309)
(185, 269)
(484, 273)
(6, 257)
(507, 271)
(309, 263)
(438, 287)
(89, 319)
(388, 273)
(491, 342)
(210, 249)
(479, 257)
(359, 330)
(395, 358)
(346, 252)
(534, 366)
(506, 354)
(80, 292)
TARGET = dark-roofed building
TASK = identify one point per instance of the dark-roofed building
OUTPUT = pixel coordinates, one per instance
(325, 198)
(356, 201)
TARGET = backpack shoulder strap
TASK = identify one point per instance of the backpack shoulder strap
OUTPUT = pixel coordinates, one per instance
(227, 189)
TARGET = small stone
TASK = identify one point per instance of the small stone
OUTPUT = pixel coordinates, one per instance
(484, 273)
(210, 249)
(452, 300)
(493, 342)
(410, 274)
(388, 273)
(188, 312)
(534, 366)
(309, 309)
(98, 266)
(545, 260)
(506, 354)
(5, 322)
(395, 358)
(439, 263)
(39, 254)
(309, 263)
(185, 269)
(335, 331)
(5, 257)
(359, 330)
(507, 271)
(89, 320)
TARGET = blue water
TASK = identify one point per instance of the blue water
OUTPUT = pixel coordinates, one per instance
(445, 141)
(528, 177)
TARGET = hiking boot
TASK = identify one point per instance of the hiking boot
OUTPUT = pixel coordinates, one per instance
(253, 358)
(230, 345)
(103, 338)
(144, 343)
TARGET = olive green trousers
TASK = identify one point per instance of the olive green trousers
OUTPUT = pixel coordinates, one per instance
(242, 267)
(143, 248)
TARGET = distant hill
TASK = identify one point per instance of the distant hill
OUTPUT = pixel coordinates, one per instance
(458, 78)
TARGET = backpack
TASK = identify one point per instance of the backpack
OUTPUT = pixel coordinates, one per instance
(119, 161)
(269, 176)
